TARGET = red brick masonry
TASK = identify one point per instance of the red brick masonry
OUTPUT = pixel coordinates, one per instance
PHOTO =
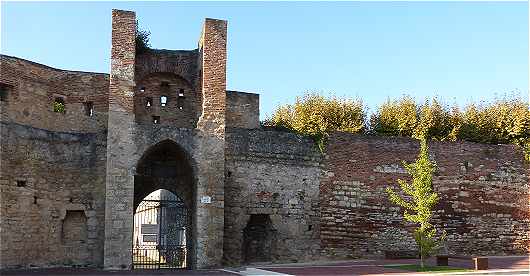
(484, 203)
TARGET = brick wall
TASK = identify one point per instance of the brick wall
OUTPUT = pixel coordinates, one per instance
(484, 196)
(181, 106)
(168, 73)
(212, 48)
(33, 88)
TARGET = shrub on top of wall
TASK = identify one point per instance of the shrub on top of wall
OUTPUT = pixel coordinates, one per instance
(142, 40)
(317, 116)
(503, 121)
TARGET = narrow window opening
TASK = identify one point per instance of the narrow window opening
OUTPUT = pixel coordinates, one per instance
(89, 109)
(148, 102)
(156, 119)
(180, 101)
(34, 200)
(21, 183)
(163, 100)
(59, 105)
(309, 227)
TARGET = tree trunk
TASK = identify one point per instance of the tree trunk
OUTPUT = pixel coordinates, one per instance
(422, 265)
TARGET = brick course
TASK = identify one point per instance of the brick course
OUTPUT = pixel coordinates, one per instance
(483, 206)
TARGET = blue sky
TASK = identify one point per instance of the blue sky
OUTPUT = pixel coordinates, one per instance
(460, 51)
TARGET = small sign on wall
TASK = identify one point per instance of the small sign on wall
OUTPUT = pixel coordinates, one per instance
(149, 229)
(206, 199)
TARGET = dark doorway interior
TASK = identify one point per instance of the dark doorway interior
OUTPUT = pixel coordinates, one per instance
(259, 239)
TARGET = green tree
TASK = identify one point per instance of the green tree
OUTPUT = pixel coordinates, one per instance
(418, 202)
(317, 116)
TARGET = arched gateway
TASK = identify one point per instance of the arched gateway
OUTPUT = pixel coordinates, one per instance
(163, 193)
(165, 109)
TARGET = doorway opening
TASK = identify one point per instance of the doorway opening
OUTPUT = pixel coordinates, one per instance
(163, 232)
(259, 239)
(160, 232)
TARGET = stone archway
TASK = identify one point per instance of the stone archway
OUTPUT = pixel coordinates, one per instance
(167, 167)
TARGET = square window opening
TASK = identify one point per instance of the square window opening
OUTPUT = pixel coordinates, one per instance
(181, 93)
(58, 105)
(142, 89)
(21, 183)
(156, 120)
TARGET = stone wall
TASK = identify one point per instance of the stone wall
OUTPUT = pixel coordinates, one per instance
(51, 165)
(484, 196)
(242, 110)
(33, 88)
(271, 176)
(52, 189)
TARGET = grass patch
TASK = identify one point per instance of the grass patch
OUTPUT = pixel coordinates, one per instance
(417, 268)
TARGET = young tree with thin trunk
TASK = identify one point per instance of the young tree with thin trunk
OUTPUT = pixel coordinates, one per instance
(418, 200)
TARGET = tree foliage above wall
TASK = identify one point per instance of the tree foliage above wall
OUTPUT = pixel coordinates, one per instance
(317, 116)
(502, 121)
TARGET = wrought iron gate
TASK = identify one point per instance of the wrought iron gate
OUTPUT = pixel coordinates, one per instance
(160, 233)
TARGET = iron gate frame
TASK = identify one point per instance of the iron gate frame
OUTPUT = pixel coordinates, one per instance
(169, 255)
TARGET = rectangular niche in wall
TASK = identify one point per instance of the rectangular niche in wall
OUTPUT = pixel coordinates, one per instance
(5, 89)
(74, 238)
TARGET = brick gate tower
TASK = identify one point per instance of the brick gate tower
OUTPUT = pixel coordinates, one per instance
(159, 98)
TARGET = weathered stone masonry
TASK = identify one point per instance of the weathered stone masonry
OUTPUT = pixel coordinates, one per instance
(276, 175)
(69, 182)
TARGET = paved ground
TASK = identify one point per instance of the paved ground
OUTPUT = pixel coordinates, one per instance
(95, 272)
(514, 265)
(377, 267)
